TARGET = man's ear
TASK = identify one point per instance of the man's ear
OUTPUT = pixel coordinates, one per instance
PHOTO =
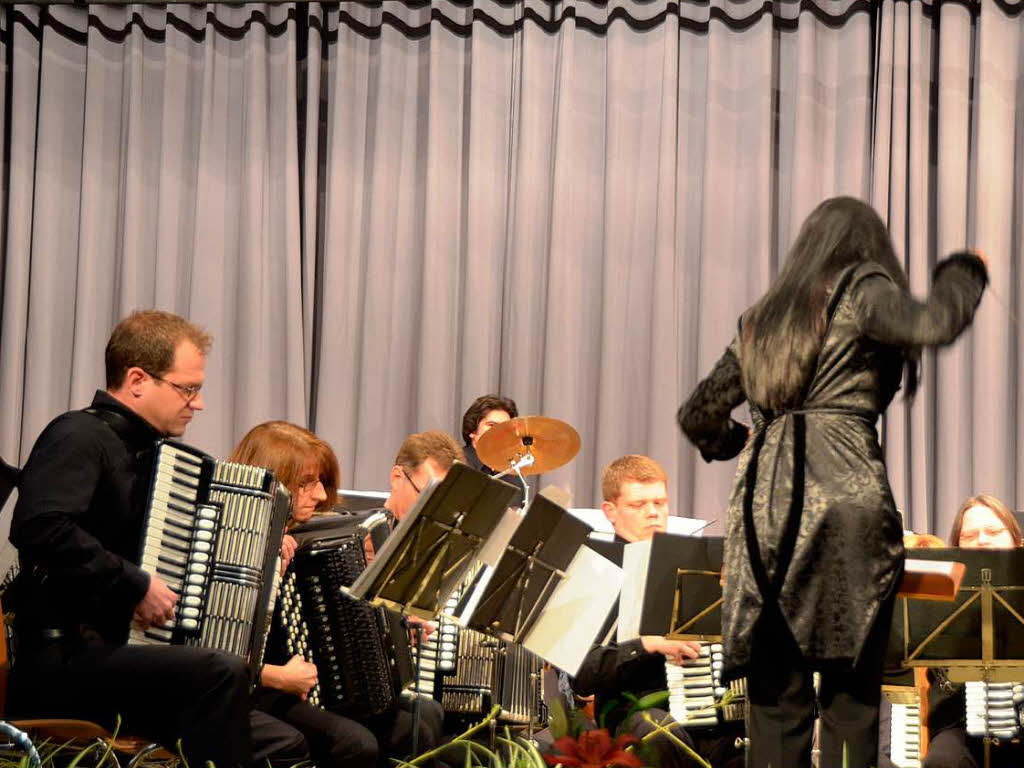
(610, 511)
(134, 378)
(394, 478)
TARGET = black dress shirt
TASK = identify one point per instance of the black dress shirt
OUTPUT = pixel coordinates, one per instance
(78, 522)
(474, 461)
(609, 670)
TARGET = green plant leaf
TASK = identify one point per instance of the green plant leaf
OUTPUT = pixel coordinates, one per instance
(558, 719)
(605, 711)
(652, 700)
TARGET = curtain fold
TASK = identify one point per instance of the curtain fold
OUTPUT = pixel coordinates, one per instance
(384, 210)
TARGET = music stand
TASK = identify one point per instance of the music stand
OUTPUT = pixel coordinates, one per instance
(976, 637)
(672, 588)
(428, 554)
(543, 581)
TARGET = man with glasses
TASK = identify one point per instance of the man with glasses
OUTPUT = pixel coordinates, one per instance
(77, 526)
(422, 457)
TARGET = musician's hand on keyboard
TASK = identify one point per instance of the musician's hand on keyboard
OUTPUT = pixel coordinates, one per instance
(288, 547)
(428, 627)
(297, 676)
(674, 651)
(157, 606)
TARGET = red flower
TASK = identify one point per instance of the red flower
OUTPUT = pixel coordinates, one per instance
(594, 749)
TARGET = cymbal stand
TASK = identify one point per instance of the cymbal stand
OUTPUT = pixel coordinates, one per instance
(517, 465)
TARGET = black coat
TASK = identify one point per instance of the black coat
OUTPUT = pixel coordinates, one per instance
(78, 523)
(844, 551)
(609, 671)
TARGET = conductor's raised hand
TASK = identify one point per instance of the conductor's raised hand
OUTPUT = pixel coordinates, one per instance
(157, 606)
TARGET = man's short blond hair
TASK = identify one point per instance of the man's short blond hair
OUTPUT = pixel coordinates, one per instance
(148, 339)
(435, 444)
(633, 468)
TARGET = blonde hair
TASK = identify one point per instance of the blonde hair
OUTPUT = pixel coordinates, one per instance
(633, 468)
(922, 541)
(435, 444)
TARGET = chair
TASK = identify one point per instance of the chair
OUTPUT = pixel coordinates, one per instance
(83, 732)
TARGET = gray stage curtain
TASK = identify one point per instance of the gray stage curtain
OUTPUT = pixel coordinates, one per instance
(384, 210)
(153, 162)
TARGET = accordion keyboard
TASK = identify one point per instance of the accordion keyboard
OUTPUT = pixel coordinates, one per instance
(696, 691)
(905, 736)
(212, 534)
(992, 709)
(294, 629)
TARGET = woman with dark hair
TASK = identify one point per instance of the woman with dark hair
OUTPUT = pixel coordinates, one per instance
(814, 549)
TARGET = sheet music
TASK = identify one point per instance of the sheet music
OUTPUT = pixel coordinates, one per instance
(576, 612)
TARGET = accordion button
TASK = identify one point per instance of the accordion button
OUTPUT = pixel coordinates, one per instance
(189, 624)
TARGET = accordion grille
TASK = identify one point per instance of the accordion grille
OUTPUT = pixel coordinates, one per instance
(351, 640)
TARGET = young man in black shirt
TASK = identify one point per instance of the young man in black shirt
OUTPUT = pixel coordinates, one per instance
(635, 491)
(77, 526)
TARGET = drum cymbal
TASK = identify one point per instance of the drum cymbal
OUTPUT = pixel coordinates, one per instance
(552, 443)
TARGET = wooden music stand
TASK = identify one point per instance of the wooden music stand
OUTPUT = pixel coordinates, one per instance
(978, 635)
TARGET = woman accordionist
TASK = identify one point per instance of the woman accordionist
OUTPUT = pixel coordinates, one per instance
(814, 549)
(983, 522)
(307, 466)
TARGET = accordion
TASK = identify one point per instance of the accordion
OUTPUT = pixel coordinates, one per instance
(213, 533)
(361, 652)
(994, 709)
(696, 695)
(469, 672)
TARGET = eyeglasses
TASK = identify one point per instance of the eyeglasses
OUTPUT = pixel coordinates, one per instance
(308, 485)
(189, 392)
(413, 484)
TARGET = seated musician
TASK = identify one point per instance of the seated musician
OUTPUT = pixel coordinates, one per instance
(488, 411)
(308, 468)
(77, 526)
(422, 457)
(636, 503)
(983, 522)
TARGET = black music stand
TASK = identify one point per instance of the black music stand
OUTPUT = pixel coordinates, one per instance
(978, 636)
(672, 587)
(429, 553)
(431, 550)
(543, 583)
(517, 588)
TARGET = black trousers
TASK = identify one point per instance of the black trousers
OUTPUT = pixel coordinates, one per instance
(782, 700)
(161, 693)
(334, 741)
(394, 729)
(953, 748)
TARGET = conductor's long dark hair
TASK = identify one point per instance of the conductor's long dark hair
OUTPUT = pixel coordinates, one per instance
(782, 334)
